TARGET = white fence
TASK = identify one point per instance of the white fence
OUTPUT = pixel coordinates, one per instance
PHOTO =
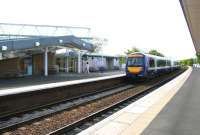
(196, 65)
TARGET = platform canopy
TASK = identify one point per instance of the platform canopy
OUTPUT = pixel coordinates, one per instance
(191, 9)
(24, 39)
(42, 42)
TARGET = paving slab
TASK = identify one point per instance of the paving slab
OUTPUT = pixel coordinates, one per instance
(133, 119)
(38, 80)
(181, 116)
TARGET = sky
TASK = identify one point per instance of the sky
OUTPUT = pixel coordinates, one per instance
(145, 24)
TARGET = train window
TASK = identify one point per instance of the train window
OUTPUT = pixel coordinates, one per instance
(151, 62)
(161, 63)
(169, 63)
(134, 61)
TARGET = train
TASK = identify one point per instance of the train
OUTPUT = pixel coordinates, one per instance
(142, 65)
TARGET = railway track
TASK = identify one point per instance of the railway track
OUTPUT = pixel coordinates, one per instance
(15, 122)
(93, 118)
(29, 98)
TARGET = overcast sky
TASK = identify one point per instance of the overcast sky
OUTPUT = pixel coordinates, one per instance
(146, 24)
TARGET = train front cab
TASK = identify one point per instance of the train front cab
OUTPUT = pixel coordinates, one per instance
(136, 66)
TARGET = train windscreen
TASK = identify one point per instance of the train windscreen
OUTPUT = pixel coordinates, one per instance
(135, 61)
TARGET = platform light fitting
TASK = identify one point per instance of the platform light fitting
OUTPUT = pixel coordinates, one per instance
(4, 48)
(60, 41)
(37, 44)
(84, 44)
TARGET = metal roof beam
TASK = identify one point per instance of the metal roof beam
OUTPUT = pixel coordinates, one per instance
(54, 26)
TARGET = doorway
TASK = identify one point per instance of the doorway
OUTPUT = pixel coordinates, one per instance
(27, 66)
(73, 64)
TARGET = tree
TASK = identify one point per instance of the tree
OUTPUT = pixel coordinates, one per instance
(190, 62)
(98, 43)
(155, 52)
(187, 62)
(198, 57)
(122, 59)
(183, 62)
(133, 50)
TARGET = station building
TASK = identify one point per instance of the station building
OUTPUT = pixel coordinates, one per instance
(68, 62)
(36, 55)
(27, 54)
(98, 62)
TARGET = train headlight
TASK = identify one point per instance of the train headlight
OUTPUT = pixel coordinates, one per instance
(135, 70)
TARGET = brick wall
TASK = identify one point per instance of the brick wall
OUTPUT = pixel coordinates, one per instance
(14, 67)
(10, 67)
(38, 63)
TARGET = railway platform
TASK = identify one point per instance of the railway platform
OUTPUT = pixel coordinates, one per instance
(55, 90)
(181, 115)
(172, 109)
(62, 77)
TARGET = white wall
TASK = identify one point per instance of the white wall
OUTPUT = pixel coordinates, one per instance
(116, 62)
(94, 63)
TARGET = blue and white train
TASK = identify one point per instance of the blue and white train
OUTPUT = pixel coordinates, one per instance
(146, 65)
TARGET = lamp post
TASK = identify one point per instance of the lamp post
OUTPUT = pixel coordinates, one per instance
(37, 44)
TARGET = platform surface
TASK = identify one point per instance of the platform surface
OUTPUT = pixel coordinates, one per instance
(181, 116)
(22, 85)
(37, 80)
(133, 119)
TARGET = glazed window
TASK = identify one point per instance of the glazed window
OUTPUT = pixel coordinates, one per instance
(161, 63)
(168, 63)
(134, 61)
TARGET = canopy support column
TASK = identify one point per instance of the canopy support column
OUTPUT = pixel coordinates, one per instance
(46, 62)
(1, 56)
(79, 62)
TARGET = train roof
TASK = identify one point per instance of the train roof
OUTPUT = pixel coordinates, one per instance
(152, 56)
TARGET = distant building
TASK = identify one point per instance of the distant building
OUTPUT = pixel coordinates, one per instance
(100, 62)
(68, 62)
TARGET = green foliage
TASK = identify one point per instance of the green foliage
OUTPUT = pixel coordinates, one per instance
(98, 44)
(122, 59)
(198, 57)
(133, 50)
(155, 52)
(187, 62)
